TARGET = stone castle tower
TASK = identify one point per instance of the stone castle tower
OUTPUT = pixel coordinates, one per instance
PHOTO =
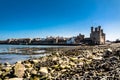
(97, 36)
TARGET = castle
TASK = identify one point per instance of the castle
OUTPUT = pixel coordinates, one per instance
(97, 36)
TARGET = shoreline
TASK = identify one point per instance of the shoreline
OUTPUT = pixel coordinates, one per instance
(46, 44)
(80, 62)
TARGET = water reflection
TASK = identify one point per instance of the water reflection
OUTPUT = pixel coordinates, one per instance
(12, 58)
(14, 53)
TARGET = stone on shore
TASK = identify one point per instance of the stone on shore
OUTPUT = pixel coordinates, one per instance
(15, 79)
(76, 64)
(7, 64)
(35, 61)
(19, 70)
(44, 70)
(34, 72)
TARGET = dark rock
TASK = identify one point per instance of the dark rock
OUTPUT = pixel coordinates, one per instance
(113, 58)
(107, 54)
(7, 64)
(117, 53)
(106, 66)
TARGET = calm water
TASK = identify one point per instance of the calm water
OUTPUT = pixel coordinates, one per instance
(8, 53)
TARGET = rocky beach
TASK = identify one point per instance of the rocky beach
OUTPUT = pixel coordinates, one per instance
(100, 62)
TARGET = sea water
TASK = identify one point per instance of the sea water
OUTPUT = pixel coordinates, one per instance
(7, 55)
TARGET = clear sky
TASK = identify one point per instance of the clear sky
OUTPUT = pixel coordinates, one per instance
(41, 18)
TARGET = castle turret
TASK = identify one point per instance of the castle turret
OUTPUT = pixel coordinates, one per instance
(92, 29)
(96, 29)
(99, 28)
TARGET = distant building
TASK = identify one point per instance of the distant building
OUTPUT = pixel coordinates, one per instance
(97, 36)
(87, 41)
(79, 38)
(35, 41)
(3, 41)
(24, 41)
(71, 41)
(19, 41)
(75, 40)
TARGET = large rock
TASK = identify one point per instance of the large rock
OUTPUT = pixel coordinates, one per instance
(107, 53)
(35, 61)
(15, 79)
(6, 69)
(44, 70)
(55, 58)
(7, 64)
(109, 50)
(1, 72)
(34, 72)
(117, 53)
(28, 65)
(19, 70)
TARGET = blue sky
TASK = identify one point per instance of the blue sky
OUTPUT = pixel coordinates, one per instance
(41, 18)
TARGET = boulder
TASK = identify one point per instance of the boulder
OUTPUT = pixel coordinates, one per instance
(35, 61)
(54, 58)
(19, 70)
(107, 53)
(7, 64)
(28, 65)
(117, 53)
(97, 57)
(44, 70)
(1, 72)
(109, 50)
(34, 72)
(6, 69)
(15, 79)
(35, 78)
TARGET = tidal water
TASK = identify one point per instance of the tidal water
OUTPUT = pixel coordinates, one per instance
(13, 53)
